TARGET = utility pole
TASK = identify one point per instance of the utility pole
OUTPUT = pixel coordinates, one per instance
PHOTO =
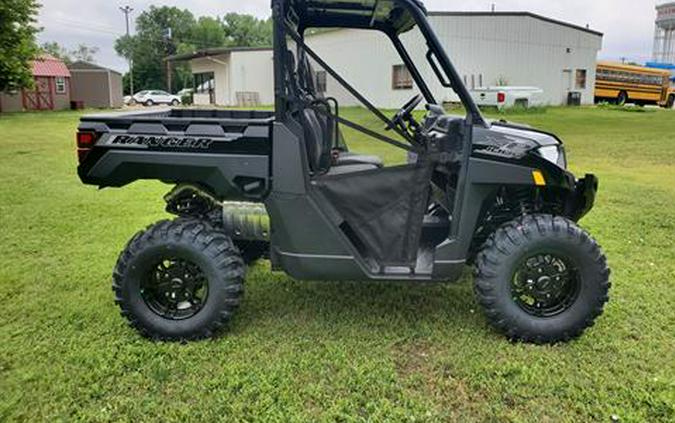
(493, 8)
(168, 34)
(127, 10)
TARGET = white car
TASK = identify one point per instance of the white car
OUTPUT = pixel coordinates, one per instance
(505, 97)
(152, 97)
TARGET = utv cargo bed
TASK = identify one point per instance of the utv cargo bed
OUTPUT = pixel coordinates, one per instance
(224, 151)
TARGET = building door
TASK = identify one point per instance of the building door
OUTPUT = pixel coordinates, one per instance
(41, 97)
(566, 85)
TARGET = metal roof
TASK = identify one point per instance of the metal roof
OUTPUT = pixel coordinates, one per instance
(81, 65)
(520, 14)
(47, 65)
(213, 52)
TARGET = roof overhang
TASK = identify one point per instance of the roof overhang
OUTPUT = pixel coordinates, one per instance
(210, 52)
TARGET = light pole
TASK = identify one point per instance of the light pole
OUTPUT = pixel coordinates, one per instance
(127, 10)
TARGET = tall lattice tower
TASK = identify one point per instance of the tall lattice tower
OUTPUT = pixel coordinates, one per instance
(664, 36)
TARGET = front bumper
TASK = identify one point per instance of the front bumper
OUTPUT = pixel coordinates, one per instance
(582, 198)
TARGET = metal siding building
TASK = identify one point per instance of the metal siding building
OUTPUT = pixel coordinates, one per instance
(96, 86)
(488, 49)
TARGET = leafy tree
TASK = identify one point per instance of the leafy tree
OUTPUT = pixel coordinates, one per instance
(82, 52)
(85, 53)
(55, 49)
(207, 33)
(247, 30)
(159, 33)
(17, 43)
(165, 31)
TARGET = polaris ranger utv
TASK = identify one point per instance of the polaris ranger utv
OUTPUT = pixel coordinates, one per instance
(284, 184)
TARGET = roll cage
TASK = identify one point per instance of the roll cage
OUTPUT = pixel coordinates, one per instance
(392, 17)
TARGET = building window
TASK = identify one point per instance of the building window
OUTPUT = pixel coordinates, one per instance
(321, 81)
(204, 82)
(581, 79)
(60, 85)
(401, 78)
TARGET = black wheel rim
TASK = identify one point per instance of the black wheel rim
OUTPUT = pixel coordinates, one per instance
(175, 288)
(545, 285)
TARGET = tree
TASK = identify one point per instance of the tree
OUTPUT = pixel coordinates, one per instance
(165, 31)
(159, 33)
(247, 30)
(55, 49)
(17, 43)
(207, 33)
(83, 52)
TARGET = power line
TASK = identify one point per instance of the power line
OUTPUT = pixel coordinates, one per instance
(102, 26)
(87, 27)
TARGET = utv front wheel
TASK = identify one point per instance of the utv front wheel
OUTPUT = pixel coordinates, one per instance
(178, 280)
(541, 279)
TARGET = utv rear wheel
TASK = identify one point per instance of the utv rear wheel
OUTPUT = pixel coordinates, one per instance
(541, 279)
(179, 280)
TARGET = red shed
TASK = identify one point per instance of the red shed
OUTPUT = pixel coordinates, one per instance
(51, 90)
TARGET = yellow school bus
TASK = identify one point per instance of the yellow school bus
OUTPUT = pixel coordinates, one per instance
(621, 83)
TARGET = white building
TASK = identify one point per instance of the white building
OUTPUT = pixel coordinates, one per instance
(488, 49)
(235, 76)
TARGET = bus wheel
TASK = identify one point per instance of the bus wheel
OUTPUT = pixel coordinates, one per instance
(622, 98)
(671, 102)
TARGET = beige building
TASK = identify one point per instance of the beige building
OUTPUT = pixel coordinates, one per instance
(95, 86)
(235, 76)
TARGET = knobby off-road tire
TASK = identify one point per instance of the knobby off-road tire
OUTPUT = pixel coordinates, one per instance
(195, 253)
(517, 242)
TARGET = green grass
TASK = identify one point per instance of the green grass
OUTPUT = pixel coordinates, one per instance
(307, 351)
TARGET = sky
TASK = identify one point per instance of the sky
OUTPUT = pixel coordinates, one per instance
(628, 25)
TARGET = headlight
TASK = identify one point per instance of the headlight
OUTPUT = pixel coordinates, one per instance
(554, 154)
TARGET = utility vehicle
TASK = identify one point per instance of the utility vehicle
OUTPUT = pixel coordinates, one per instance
(283, 183)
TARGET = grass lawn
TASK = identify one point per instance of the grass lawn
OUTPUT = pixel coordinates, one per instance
(306, 351)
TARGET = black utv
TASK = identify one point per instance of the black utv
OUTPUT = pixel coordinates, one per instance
(283, 184)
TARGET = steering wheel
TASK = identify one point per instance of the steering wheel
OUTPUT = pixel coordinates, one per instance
(404, 113)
